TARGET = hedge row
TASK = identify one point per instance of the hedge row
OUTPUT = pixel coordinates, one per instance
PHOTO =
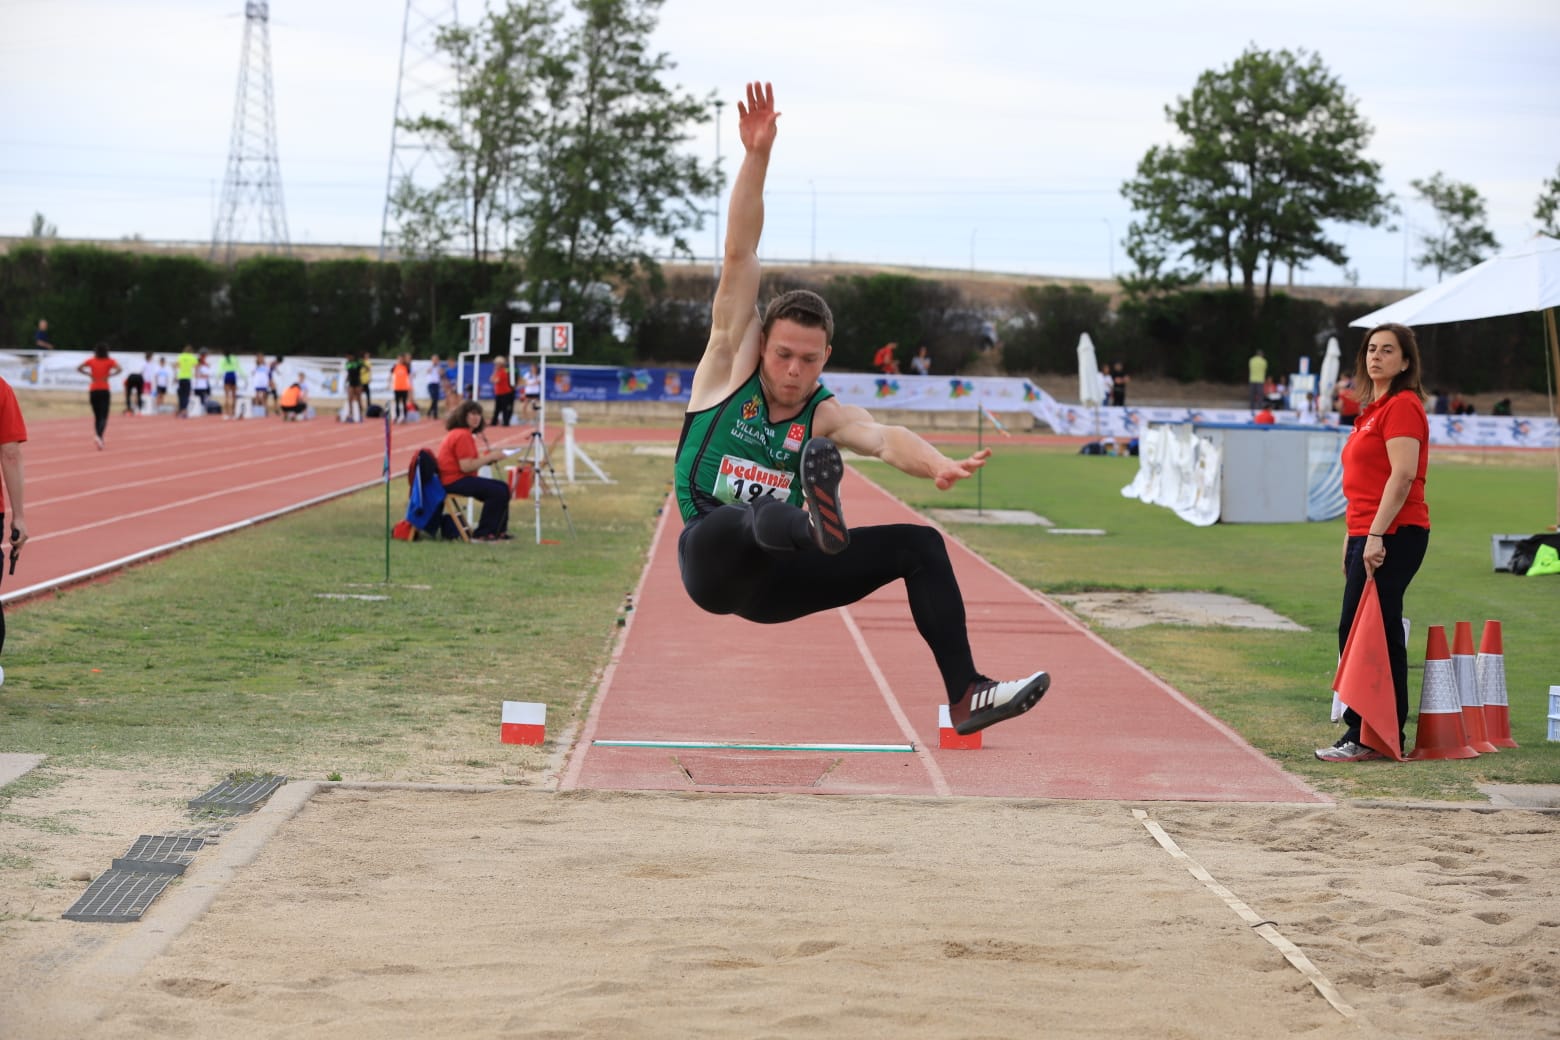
(284, 306)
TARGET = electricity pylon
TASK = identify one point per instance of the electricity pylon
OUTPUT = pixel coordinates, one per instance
(253, 184)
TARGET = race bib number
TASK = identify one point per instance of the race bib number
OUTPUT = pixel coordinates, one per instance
(742, 480)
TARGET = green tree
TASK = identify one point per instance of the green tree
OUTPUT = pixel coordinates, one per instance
(489, 128)
(1462, 239)
(1547, 209)
(610, 177)
(41, 228)
(1273, 151)
(568, 150)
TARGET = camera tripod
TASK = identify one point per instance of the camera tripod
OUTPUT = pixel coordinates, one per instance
(539, 458)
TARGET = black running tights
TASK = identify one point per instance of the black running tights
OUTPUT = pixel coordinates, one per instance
(727, 571)
(99, 400)
(1405, 552)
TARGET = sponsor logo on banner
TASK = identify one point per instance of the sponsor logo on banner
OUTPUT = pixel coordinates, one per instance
(886, 388)
(793, 437)
(958, 388)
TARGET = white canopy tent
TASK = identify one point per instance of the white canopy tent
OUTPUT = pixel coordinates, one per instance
(1525, 278)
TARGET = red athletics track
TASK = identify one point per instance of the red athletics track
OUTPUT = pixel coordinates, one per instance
(163, 482)
(861, 675)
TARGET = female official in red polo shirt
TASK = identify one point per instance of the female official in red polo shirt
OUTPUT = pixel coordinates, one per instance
(459, 461)
(1384, 463)
(99, 368)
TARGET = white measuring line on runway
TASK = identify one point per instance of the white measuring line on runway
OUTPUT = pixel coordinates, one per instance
(939, 782)
(725, 746)
(1292, 953)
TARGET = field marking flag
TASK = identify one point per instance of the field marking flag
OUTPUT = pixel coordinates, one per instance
(1364, 678)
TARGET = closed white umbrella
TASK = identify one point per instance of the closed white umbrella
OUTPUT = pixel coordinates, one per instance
(1090, 390)
(1329, 374)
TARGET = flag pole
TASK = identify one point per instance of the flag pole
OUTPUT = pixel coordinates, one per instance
(387, 498)
(980, 487)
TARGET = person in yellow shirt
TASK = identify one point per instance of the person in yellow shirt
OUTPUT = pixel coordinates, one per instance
(1256, 376)
(184, 367)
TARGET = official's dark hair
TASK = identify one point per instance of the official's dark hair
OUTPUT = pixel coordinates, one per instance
(457, 416)
(100, 351)
(1409, 378)
(805, 308)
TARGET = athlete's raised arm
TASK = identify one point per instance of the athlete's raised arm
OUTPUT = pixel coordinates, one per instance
(733, 344)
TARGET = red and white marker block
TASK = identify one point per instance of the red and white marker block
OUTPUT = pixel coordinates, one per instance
(948, 738)
(524, 722)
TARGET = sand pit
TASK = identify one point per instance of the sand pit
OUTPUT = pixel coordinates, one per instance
(388, 913)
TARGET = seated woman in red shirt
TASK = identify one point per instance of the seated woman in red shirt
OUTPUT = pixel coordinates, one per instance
(459, 461)
(99, 368)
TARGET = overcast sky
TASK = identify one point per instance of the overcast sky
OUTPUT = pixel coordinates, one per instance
(986, 133)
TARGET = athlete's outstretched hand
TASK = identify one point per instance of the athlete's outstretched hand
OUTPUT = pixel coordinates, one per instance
(758, 115)
(958, 469)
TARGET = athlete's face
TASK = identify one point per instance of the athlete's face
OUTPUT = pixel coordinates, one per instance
(793, 358)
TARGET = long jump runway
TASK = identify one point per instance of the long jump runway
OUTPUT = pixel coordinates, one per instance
(802, 702)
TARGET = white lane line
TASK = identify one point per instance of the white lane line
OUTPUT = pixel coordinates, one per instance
(1292, 953)
(145, 554)
(939, 782)
(721, 745)
(574, 757)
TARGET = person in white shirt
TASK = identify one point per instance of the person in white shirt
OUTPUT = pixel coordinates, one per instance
(260, 386)
(434, 380)
(532, 383)
(201, 384)
(160, 383)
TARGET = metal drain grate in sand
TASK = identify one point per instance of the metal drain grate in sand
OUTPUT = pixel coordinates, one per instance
(238, 796)
(159, 854)
(118, 896)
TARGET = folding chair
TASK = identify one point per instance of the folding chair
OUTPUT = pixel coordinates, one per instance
(455, 507)
(428, 503)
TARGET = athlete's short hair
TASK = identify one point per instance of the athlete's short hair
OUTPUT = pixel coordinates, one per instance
(805, 308)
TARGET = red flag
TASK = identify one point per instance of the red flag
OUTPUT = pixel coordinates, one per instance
(1364, 678)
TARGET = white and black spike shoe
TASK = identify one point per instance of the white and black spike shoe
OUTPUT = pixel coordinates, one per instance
(822, 471)
(988, 702)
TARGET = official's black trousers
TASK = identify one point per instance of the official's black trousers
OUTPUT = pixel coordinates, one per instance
(1405, 552)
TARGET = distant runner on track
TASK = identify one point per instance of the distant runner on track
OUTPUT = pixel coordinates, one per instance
(758, 444)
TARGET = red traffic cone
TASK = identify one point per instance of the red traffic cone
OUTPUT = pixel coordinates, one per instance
(1490, 672)
(1440, 733)
(1463, 668)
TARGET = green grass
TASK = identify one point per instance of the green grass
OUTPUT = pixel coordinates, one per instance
(224, 658)
(1273, 687)
(227, 656)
